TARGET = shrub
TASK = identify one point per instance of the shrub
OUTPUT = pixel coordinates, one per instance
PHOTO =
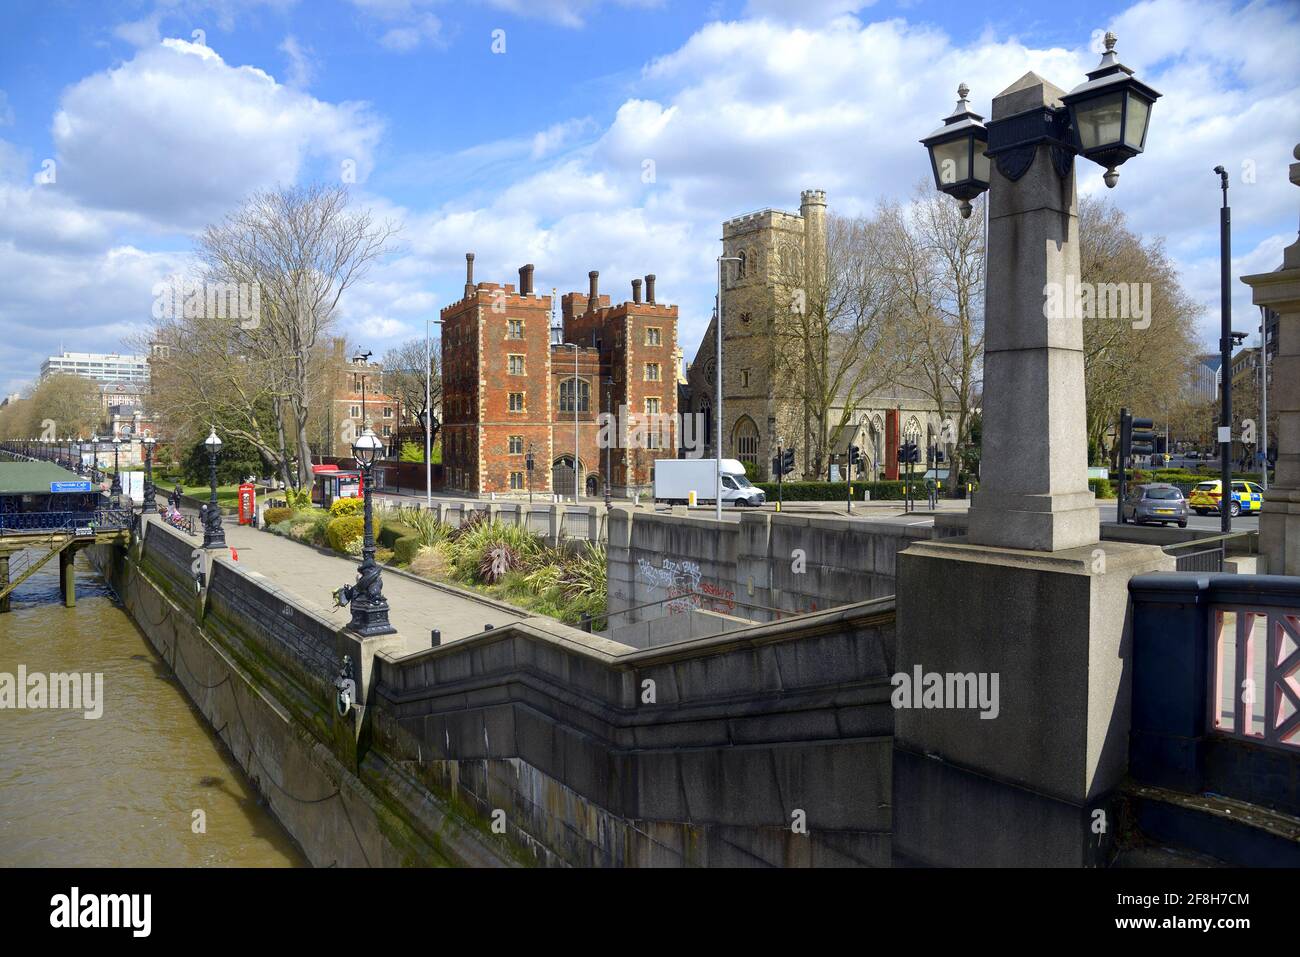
(495, 562)
(406, 548)
(342, 531)
(281, 528)
(468, 523)
(309, 526)
(346, 506)
(298, 498)
(431, 561)
(391, 532)
(477, 537)
(274, 516)
(427, 528)
(1102, 488)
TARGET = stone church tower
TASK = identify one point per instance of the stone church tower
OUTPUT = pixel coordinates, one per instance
(782, 256)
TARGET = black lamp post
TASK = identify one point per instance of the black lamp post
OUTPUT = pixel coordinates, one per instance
(214, 536)
(369, 608)
(116, 488)
(149, 503)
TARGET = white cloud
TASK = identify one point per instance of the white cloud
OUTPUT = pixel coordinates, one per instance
(747, 114)
(302, 65)
(567, 13)
(804, 11)
(408, 23)
(179, 136)
(743, 115)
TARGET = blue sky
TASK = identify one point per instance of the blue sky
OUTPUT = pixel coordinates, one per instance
(536, 154)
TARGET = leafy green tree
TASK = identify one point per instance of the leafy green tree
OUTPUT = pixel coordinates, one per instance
(238, 459)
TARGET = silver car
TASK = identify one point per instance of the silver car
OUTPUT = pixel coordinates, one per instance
(1158, 502)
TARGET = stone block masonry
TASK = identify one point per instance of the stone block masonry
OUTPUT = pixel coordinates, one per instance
(767, 745)
(763, 567)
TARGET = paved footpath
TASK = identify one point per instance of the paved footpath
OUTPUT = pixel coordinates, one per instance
(414, 607)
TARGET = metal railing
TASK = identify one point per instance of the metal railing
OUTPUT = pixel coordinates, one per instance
(101, 519)
(1255, 658)
(1208, 554)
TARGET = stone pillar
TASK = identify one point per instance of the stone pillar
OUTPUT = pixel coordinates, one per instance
(1031, 607)
(1034, 466)
(1279, 522)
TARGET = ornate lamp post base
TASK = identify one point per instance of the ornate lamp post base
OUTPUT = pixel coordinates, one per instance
(370, 618)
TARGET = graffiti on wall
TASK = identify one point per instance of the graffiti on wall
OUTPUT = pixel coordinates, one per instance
(685, 588)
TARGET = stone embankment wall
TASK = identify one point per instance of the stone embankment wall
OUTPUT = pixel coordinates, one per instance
(768, 744)
(765, 567)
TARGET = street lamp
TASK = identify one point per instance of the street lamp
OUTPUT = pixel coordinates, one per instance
(1109, 114)
(369, 608)
(957, 158)
(717, 396)
(213, 534)
(149, 503)
(116, 488)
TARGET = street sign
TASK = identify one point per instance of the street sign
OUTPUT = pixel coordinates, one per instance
(70, 487)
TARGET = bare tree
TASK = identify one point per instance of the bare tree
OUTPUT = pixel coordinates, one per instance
(405, 371)
(301, 248)
(936, 262)
(833, 338)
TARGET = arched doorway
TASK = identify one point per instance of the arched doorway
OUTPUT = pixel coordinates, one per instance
(562, 476)
(593, 486)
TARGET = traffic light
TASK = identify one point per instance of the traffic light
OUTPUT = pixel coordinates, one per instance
(855, 455)
(909, 452)
(783, 462)
(528, 462)
(1135, 436)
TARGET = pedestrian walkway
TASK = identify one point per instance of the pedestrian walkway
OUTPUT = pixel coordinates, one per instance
(414, 607)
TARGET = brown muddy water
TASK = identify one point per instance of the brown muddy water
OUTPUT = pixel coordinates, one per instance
(120, 790)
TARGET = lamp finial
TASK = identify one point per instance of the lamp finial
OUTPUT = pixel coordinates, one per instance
(1110, 40)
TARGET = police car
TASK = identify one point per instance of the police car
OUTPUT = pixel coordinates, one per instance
(1246, 497)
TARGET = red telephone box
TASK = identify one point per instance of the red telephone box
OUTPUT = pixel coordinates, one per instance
(247, 505)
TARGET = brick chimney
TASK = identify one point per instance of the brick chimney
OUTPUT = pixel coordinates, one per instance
(650, 288)
(593, 294)
(636, 290)
(469, 275)
(526, 279)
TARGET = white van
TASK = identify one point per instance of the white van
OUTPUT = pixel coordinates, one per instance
(675, 479)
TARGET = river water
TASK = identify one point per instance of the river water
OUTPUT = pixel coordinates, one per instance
(120, 790)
